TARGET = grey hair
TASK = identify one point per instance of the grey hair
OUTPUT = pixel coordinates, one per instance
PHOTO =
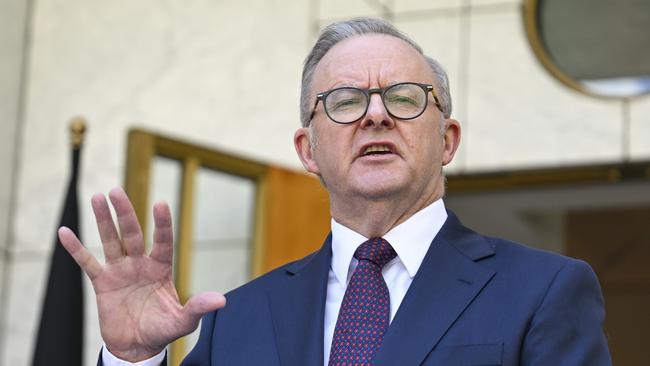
(339, 31)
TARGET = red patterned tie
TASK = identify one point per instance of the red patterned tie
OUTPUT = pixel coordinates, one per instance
(365, 310)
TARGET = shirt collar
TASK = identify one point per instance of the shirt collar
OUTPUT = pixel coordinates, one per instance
(410, 239)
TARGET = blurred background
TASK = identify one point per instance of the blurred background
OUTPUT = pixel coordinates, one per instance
(196, 102)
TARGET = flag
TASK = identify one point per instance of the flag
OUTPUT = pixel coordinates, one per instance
(60, 334)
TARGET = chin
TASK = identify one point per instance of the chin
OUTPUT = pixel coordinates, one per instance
(377, 189)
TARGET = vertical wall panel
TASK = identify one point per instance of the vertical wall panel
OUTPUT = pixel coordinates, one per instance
(14, 20)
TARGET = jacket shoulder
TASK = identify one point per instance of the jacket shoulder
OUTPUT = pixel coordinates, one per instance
(517, 254)
(269, 280)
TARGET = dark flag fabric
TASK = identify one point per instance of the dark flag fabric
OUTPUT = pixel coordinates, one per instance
(60, 334)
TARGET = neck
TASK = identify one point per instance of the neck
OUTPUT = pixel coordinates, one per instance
(373, 217)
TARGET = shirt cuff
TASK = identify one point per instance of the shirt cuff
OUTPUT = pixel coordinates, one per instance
(109, 359)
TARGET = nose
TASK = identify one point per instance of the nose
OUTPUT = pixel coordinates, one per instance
(377, 115)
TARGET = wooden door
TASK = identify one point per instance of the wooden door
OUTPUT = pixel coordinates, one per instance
(296, 217)
(616, 242)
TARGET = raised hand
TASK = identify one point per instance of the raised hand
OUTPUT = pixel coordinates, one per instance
(139, 309)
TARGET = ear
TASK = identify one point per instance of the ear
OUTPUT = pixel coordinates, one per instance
(302, 142)
(451, 140)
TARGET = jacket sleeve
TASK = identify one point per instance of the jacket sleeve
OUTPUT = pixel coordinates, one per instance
(567, 328)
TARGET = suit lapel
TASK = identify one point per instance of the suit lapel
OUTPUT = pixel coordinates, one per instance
(446, 283)
(297, 308)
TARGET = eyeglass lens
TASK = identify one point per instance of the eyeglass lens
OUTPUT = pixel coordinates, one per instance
(404, 101)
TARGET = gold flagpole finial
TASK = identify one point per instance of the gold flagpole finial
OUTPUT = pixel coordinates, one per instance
(77, 131)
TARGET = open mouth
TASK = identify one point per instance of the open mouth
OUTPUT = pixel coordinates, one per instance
(376, 150)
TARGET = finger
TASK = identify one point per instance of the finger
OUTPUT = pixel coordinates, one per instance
(128, 222)
(199, 305)
(81, 255)
(163, 234)
(106, 227)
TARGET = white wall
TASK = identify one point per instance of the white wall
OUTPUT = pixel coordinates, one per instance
(226, 74)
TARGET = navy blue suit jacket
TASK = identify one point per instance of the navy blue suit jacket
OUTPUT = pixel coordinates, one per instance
(474, 301)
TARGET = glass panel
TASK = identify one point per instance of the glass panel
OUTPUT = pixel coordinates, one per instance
(601, 44)
(222, 233)
(166, 178)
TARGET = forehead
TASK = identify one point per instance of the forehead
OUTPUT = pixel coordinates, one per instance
(369, 61)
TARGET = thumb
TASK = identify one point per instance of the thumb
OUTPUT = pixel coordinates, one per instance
(201, 304)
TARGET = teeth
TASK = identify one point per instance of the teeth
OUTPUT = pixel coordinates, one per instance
(376, 148)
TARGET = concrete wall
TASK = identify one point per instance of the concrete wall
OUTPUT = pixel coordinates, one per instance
(226, 74)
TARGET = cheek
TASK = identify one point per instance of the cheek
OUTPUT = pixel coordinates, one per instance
(327, 154)
(427, 148)
(334, 144)
(423, 142)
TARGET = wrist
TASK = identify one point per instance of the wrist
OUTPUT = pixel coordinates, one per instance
(133, 356)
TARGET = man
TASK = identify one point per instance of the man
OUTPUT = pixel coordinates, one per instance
(399, 281)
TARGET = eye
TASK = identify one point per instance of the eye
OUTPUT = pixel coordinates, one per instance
(344, 100)
(401, 100)
(405, 100)
(340, 105)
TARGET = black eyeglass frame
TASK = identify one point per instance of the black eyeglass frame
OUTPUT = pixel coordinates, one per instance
(382, 91)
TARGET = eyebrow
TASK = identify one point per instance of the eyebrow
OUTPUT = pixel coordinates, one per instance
(343, 85)
(350, 85)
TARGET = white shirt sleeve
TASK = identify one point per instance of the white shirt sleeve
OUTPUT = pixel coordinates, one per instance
(109, 359)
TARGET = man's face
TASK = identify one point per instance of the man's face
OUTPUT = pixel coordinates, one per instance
(416, 150)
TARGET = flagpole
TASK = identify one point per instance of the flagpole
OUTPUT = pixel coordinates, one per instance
(77, 131)
(59, 340)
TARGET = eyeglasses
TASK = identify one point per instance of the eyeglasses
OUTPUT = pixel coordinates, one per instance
(403, 101)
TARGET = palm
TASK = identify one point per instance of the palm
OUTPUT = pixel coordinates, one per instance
(143, 292)
(139, 309)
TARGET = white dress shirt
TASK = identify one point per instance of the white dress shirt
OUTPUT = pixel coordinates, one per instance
(410, 239)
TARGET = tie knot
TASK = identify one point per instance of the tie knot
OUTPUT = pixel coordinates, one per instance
(376, 250)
